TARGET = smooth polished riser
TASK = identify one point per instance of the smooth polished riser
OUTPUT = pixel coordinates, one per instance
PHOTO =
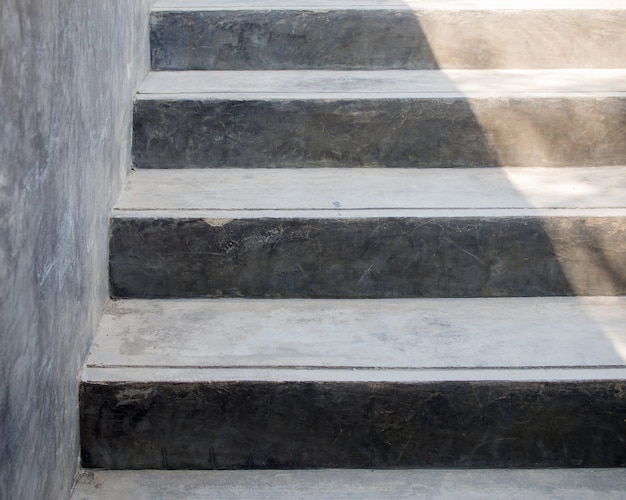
(243, 425)
(392, 38)
(390, 257)
(379, 132)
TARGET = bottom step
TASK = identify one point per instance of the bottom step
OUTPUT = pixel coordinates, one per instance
(214, 384)
(587, 484)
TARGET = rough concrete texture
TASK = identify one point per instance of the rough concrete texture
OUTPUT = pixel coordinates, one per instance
(207, 384)
(390, 119)
(390, 233)
(241, 424)
(68, 70)
(348, 35)
(446, 5)
(289, 40)
(580, 484)
(369, 383)
(386, 84)
(375, 257)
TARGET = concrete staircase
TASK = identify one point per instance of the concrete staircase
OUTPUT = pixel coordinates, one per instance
(370, 234)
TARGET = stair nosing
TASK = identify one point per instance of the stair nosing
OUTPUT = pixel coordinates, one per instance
(410, 5)
(256, 338)
(358, 192)
(380, 84)
(93, 375)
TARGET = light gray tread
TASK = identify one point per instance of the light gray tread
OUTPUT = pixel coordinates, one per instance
(567, 484)
(391, 4)
(348, 192)
(405, 340)
(311, 84)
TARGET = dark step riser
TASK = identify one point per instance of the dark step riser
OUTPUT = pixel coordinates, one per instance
(370, 39)
(375, 258)
(450, 132)
(242, 425)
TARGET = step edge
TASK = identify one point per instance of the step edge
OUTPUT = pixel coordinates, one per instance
(356, 483)
(446, 83)
(219, 217)
(414, 6)
(97, 375)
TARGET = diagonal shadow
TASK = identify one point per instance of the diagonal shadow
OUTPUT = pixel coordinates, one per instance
(590, 250)
(529, 255)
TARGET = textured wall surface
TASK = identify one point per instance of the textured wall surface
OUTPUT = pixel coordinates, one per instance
(68, 69)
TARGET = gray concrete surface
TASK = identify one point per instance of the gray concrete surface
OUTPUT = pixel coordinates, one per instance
(396, 383)
(68, 71)
(248, 424)
(573, 332)
(381, 119)
(582, 484)
(386, 35)
(454, 5)
(345, 192)
(291, 384)
(359, 84)
(391, 233)
(395, 256)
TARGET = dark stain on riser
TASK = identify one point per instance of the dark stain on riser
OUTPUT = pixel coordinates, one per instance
(380, 132)
(242, 425)
(368, 258)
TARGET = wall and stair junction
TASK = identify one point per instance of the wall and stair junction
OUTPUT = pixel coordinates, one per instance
(369, 235)
(68, 72)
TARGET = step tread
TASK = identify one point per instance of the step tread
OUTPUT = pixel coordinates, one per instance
(312, 84)
(349, 192)
(602, 484)
(335, 340)
(386, 4)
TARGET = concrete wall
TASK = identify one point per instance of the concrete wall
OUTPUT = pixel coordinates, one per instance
(67, 73)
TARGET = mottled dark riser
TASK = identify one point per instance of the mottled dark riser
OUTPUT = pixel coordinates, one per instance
(241, 425)
(417, 132)
(288, 40)
(368, 258)
(387, 39)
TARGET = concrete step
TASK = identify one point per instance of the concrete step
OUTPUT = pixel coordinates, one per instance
(387, 34)
(454, 118)
(234, 383)
(565, 484)
(370, 233)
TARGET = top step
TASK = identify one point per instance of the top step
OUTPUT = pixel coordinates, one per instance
(387, 34)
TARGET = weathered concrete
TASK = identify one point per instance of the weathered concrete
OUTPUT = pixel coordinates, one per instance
(342, 192)
(68, 70)
(446, 5)
(574, 333)
(385, 84)
(338, 39)
(243, 425)
(384, 35)
(298, 383)
(394, 383)
(396, 233)
(580, 484)
(375, 257)
(388, 119)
